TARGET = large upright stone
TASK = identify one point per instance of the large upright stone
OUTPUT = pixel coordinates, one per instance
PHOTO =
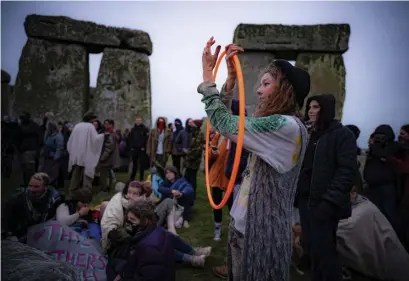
(316, 48)
(5, 93)
(327, 72)
(253, 63)
(52, 77)
(123, 87)
(94, 36)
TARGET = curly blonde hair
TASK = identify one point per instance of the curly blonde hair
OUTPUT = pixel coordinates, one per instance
(282, 101)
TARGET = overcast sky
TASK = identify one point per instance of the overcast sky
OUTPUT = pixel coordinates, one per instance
(377, 62)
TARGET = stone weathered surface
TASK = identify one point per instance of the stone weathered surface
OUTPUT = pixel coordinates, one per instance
(52, 77)
(252, 64)
(327, 73)
(301, 38)
(123, 88)
(5, 93)
(87, 33)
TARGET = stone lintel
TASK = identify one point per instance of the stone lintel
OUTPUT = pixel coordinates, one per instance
(65, 29)
(323, 38)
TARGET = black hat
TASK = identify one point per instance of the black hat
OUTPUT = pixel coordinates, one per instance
(299, 79)
(89, 116)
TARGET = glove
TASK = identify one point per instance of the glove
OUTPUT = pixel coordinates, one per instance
(324, 210)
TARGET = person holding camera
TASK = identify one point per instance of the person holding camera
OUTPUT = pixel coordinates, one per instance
(380, 173)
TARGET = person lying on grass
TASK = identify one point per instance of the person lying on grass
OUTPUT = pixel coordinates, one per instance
(113, 223)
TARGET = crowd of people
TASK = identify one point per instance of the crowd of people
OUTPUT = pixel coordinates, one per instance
(305, 196)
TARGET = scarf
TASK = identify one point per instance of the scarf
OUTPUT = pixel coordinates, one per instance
(266, 255)
(39, 210)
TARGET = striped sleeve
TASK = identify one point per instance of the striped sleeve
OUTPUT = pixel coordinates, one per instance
(276, 138)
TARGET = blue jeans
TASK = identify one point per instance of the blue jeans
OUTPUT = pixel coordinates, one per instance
(180, 247)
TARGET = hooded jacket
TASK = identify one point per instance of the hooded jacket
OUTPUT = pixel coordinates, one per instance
(329, 168)
(379, 166)
(177, 140)
(153, 139)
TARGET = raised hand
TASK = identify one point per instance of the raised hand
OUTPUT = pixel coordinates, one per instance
(231, 51)
(209, 60)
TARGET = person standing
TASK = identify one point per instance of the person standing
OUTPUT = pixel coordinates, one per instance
(261, 217)
(136, 143)
(84, 147)
(177, 145)
(327, 176)
(160, 142)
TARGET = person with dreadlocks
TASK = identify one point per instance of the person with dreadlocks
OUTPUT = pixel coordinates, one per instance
(259, 243)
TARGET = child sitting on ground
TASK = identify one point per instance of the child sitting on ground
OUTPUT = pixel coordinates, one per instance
(148, 254)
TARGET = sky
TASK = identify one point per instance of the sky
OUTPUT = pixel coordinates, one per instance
(377, 62)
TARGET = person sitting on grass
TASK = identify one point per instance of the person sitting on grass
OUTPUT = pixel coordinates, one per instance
(77, 214)
(178, 187)
(113, 231)
(36, 204)
(147, 253)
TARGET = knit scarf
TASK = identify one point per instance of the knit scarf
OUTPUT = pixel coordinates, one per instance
(266, 255)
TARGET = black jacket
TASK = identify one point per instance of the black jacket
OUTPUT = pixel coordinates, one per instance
(379, 166)
(138, 137)
(29, 136)
(334, 166)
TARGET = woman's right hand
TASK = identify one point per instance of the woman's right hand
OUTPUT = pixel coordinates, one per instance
(83, 211)
(231, 51)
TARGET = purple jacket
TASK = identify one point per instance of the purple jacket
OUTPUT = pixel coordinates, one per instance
(148, 257)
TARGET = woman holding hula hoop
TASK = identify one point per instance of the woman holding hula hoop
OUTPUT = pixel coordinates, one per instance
(259, 243)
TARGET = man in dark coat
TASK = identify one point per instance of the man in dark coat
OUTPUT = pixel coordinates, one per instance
(136, 143)
(323, 194)
(29, 142)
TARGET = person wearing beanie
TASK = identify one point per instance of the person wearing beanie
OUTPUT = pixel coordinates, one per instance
(177, 144)
(259, 243)
(179, 188)
(84, 147)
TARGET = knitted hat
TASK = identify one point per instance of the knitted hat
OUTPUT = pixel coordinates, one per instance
(299, 79)
(198, 122)
(172, 169)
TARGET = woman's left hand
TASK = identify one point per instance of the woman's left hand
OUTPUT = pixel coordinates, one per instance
(209, 60)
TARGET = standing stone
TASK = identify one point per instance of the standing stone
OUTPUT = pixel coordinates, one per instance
(52, 77)
(253, 64)
(327, 72)
(316, 48)
(123, 88)
(5, 93)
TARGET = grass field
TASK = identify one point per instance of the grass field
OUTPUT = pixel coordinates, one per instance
(200, 232)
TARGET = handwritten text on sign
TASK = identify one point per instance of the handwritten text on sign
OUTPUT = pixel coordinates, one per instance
(65, 244)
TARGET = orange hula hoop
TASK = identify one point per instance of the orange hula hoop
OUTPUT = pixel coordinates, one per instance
(240, 137)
